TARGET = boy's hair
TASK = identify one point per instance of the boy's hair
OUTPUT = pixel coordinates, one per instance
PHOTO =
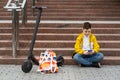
(87, 25)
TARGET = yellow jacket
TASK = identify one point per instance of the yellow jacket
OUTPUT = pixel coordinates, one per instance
(79, 43)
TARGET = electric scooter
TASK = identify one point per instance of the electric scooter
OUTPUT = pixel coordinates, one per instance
(27, 65)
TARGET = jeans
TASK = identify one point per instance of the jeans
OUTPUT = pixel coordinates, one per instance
(88, 59)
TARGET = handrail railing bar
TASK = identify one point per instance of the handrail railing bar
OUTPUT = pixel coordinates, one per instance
(23, 4)
(15, 8)
(8, 3)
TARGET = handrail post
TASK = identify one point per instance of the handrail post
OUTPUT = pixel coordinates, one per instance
(33, 4)
(15, 22)
(15, 33)
(24, 16)
(15, 8)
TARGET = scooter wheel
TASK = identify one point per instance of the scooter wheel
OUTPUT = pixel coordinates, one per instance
(27, 66)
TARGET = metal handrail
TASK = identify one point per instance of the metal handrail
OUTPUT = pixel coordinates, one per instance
(24, 6)
(8, 4)
(21, 7)
(15, 8)
(24, 3)
(11, 5)
(33, 4)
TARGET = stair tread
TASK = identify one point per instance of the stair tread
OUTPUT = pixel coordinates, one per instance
(66, 57)
(67, 49)
(68, 34)
(106, 57)
(61, 41)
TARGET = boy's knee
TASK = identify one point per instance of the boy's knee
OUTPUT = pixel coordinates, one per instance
(75, 57)
(101, 56)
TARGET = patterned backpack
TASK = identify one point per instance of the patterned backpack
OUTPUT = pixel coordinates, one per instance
(48, 62)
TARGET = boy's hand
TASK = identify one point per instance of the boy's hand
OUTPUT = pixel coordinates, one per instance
(88, 53)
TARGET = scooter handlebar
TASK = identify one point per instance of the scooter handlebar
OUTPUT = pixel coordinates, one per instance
(39, 7)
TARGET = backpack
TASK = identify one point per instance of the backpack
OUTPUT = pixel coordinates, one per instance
(60, 60)
(48, 62)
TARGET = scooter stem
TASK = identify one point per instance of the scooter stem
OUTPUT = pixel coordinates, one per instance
(40, 8)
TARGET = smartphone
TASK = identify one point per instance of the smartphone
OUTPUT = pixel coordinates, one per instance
(89, 50)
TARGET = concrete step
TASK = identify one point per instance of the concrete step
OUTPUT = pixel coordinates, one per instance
(94, 17)
(71, 10)
(108, 60)
(63, 51)
(77, 2)
(67, 12)
(61, 24)
(68, 17)
(56, 43)
(66, 44)
(54, 36)
(71, 1)
(95, 4)
(28, 30)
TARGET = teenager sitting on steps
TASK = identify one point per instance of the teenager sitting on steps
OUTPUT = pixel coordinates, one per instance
(87, 48)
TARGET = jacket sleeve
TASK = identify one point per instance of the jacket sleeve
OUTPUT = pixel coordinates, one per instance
(96, 46)
(77, 46)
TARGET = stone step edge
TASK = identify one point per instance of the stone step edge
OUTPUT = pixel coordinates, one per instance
(65, 34)
(57, 49)
(68, 17)
(59, 28)
(67, 21)
(66, 57)
(57, 41)
(68, 60)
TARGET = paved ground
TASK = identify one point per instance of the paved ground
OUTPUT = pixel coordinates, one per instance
(68, 72)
